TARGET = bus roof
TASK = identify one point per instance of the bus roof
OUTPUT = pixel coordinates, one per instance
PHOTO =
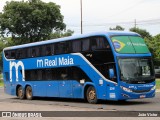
(107, 34)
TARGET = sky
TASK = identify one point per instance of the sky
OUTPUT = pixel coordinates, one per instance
(100, 15)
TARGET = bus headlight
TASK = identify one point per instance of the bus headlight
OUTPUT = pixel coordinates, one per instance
(153, 88)
(126, 89)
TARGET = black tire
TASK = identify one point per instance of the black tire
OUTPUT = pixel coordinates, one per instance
(29, 94)
(91, 95)
(20, 93)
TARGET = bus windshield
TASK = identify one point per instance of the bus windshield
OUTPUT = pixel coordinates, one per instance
(136, 69)
(129, 44)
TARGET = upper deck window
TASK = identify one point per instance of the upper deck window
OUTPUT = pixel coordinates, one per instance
(89, 44)
(85, 45)
(60, 48)
(10, 54)
(76, 46)
(99, 43)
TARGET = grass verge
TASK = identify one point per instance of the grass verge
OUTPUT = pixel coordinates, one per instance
(1, 83)
(158, 84)
(1, 80)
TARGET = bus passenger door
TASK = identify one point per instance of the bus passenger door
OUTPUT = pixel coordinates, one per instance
(77, 89)
(112, 87)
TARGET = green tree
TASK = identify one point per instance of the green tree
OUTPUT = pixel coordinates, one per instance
(3, 44)
(30, 21)
(118, 27)
(142, 32)
(154, 46)
(153, 43)
(59, 34)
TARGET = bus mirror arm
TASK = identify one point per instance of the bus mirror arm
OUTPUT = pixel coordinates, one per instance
(111, 73)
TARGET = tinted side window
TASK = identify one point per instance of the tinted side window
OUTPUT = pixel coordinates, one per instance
(29, 52)
(40, 74)
(76, 46)
(27, 75)
(68, 73)
(85, 45)
(18, 54)
(33, 52)
(24, 53)
(37, 50)
(52, 49)
(99, 43)
(7, 54)
(78, 74)
(48, 50)
(60, 48)
(43, 50)
(33, 75)
(49, 74)
(13, 54)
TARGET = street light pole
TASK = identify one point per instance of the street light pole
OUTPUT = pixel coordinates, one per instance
(81, 18)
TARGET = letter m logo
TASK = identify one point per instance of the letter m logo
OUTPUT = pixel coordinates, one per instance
(16, 66)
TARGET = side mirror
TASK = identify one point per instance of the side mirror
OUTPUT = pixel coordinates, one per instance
(111, 73)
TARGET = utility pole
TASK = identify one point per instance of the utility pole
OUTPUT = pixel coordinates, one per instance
(81, 18)
(135, 23)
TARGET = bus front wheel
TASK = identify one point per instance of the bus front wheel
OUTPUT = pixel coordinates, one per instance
(20, 93)
(29, 94)
(91, 95)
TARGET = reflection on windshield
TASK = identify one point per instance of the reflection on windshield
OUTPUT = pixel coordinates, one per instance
(135, 69)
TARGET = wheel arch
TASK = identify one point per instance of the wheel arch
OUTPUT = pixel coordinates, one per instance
(86, 86)
(23, 86)
(17, 86)
(29, 92)
(28, 85)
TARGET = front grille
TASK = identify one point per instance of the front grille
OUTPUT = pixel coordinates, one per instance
(140, 91)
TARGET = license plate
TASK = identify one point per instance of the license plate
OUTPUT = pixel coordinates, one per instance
(142, 96)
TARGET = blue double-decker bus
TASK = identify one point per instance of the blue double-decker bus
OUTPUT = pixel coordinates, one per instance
(105, 65)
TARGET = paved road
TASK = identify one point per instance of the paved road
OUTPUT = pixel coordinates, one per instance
(12, 103)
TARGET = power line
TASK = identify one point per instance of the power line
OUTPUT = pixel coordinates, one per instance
(128, 8)
(135, 23)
